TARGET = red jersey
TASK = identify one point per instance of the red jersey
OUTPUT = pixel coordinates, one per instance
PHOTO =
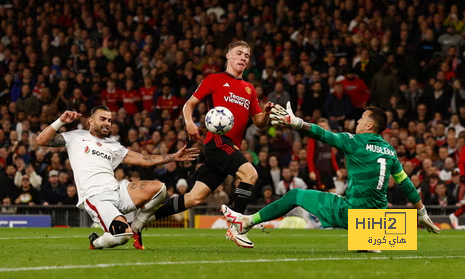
(235, 94)
(357, 90)
(129, 101)
(169, 103)
(111, 98)
(147, 95)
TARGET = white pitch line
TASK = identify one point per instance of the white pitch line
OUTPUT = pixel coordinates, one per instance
(157, 235)
(223, 262)
(202, 234)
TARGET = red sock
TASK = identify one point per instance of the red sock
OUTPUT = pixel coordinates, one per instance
(460, 211)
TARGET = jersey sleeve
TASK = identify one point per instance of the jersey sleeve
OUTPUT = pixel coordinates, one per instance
(205, 88)
(69, 136)
(121, 151)
(401, 178)
(254, 104)
(344, 141)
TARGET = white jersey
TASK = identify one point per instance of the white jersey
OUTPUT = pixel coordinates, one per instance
(93, 161)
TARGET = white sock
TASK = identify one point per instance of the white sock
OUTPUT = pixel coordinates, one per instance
(147, 210)
(107, 240)
(130, 216)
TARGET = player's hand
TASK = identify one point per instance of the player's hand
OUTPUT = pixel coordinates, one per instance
(184, 154)
(424, 220)
(312, 176)
(69, 116)
(193, 131)
(279, 115)
(268, 106)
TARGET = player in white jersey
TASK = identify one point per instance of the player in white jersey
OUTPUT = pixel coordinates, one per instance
(93, 157)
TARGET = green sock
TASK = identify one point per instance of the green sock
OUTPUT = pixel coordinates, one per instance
(276, 209)
(256, 218)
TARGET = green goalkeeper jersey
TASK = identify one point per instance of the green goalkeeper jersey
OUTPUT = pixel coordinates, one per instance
(370, 161)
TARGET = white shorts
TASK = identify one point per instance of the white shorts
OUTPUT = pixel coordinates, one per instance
(106, 206)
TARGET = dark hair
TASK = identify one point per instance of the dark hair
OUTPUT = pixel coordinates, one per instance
(380, 118)
(101, 107)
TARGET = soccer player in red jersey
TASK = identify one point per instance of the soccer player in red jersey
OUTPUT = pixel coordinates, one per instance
(222, 154)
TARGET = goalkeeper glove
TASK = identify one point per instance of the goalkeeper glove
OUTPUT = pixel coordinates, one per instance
(425, 221)
(279, 115)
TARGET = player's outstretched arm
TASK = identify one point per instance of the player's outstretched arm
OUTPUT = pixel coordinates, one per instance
(261, 119)
(401, 178)
(344, 141)
(48, 136)
(424, 220)
(135, 158)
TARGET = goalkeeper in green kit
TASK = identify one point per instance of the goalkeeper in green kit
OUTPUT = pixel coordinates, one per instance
(370, 160)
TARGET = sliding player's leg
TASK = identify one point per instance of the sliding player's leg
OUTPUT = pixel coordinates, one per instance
(326, 206)
(104, 212)
(147, 196)
(180, 203)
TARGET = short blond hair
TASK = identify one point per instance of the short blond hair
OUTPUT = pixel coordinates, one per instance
(235, 44)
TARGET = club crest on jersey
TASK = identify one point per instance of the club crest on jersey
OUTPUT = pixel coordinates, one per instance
(86, 150)
(248, 90)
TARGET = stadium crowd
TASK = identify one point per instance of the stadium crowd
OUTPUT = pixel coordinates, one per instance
(144, 59)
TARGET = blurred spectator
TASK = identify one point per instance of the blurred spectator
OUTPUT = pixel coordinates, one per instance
(441, 196)
(52, 192)
(321, 161)
(35, 179)
(384, 85)
(181, 187)
(445, 174)
(395, 196)
(450, 39)
(337, 106)
(340, 182)
(111, 96)
(216, 199)
(358, 92)
(313, 100)
(264, 175)
(7, 184)
(268, 196)
(289, 182)
(279, 95)
(167, 102)
(27, 195)
(70, 196)
(275, 170)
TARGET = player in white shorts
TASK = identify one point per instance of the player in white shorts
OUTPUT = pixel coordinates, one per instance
(93, 157)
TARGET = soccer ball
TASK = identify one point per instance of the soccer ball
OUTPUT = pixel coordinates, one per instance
(219, 120)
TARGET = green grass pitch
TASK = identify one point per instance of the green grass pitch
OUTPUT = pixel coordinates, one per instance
(193, 253)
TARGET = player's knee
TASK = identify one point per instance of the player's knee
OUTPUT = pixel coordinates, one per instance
(155, 188)
(248, 174)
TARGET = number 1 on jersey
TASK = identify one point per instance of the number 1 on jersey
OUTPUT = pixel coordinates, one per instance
(382, 172)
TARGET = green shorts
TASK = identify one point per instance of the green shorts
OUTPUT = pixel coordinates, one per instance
(331, 209)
